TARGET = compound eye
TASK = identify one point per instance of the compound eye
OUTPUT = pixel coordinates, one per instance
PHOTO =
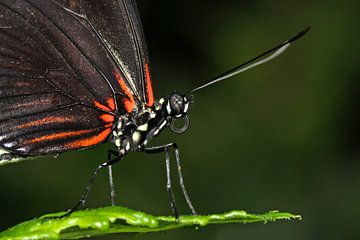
(177, 103)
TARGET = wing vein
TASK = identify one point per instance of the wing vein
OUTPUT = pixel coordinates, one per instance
(137, 47)
(28, 95)
(109, 52)
(25, 44)
(57, 50)
(75, 45)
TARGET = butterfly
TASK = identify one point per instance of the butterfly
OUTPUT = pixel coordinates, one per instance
(75, 74)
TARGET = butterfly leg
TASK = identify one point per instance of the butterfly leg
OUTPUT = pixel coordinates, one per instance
(112, 186)
(166, 149)
(109, 163)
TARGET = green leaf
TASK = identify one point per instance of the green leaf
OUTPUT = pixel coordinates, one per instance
(116, 219)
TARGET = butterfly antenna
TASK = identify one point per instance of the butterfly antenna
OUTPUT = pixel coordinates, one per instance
(262, 58)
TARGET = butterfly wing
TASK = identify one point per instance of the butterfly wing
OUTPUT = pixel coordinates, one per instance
(60, 87)
(118, 23)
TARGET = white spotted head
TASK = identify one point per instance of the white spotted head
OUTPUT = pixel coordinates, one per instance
(177, 105)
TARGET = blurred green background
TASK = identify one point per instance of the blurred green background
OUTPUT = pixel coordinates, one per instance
(283, 136)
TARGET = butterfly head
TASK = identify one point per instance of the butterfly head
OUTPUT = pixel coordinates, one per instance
(177, 108)
(177, 105)
(174, 108)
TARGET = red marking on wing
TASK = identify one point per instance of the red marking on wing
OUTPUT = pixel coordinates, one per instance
(111, 103)
(101, 106)
(90, 141)
(107, 118)
(46, 120)
(149, 90)
(110, 107)
(59, 136)
(128, 100)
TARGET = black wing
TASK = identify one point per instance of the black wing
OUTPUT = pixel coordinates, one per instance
(119, 25)
(60, 87)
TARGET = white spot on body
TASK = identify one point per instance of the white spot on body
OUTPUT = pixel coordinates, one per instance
(152, 115)
(159, 104)
(127, 147)
(136, 137)
(186, 108)
(119, 125)
(117, 142)
(143, 128)
(168, 108)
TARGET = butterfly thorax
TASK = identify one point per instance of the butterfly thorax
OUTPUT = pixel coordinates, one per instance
(134, 133)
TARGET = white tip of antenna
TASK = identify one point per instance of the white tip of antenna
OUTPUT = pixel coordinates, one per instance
(279, 52)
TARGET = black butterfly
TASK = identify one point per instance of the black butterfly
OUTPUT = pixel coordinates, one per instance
(75, 74)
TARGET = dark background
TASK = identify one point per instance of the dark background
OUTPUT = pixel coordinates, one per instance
(283, 136)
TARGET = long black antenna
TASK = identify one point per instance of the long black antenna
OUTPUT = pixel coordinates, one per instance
(262, 58)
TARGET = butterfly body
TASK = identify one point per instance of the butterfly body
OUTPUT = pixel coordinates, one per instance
(134, 133)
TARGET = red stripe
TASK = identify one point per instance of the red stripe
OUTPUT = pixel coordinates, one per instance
(101, 106)
(149, 90)
(111, 103)
(110, 107)
(58, 136)
(90, 141)
(107, 118)
(47, 120)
